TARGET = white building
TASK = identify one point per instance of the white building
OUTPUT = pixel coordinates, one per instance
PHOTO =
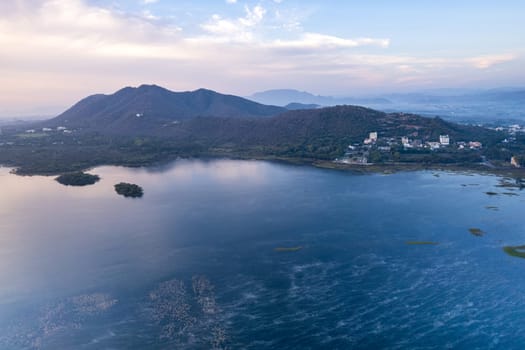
(475, 144)
(444, 140)
(373, 136)
(514, 162)
(433, 145)
(405, 142)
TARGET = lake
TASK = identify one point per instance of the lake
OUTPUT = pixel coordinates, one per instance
(229, 254)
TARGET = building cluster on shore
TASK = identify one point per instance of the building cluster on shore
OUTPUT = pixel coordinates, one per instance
(62, 129)
(360, 153)
(511, 129)
(444, 142)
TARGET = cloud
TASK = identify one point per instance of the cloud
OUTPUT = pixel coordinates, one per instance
(56, 51)
(72, 27)
(484, 62)
(321, 41)
(245, 30)
(221, 29)
(231, 1)
(147, 2)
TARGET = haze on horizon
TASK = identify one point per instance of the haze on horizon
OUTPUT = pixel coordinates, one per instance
(55, 52)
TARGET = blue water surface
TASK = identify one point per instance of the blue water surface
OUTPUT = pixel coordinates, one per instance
(194, 265)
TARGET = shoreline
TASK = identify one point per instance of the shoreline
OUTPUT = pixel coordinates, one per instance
(385, 168)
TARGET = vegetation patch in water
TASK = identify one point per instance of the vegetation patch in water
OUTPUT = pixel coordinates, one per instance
(129, 190)
(490, 193)
(516, 251)
(510, 183)
(288, 249)
(510, 194)
(77, 179)
(421, 243)
(491, 207)
(476, 231)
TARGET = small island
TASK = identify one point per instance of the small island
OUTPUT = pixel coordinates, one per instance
(517, 251)
(288, 249)
(421, 243)
(476, 231)
(129, 190)
(77, 179)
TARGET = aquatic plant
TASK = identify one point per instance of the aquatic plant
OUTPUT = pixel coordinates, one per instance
(476, 231)
(516, 251)
(421, 243)
(288, 249)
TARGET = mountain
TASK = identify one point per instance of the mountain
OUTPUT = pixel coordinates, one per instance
(150, 106)
(217, 119)
(214, 119)
(319, 133)
(296, 106)
(448, 96)
(106, 130)
(464, 105)
(283, 97)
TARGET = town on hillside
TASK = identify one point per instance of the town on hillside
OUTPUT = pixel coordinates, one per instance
(409, 148)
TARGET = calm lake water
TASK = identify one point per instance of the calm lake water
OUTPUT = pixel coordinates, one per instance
(193, 264)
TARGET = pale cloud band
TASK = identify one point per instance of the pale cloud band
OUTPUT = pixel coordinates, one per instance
(320, 41)
(41, 39)
(484, 62)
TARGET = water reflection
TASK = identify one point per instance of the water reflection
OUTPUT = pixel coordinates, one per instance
(193, 264)
(49, 232)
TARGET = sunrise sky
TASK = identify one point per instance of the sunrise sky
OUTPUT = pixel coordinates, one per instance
(55, 52)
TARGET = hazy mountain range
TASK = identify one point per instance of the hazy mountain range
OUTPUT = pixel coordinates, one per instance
(139, 126)
(217, 119)
(150, 106)
(283, 97)
(453, 104)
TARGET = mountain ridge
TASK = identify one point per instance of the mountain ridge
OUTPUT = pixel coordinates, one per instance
(137, 126)
(283, 97)
(150, 106)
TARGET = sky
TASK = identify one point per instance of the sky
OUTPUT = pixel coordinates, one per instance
(55, 52)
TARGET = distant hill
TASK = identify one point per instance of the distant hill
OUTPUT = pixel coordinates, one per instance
(296, 106)
(319, 133)
(471, 105)
(148, 107)
(283, 97)
(107, 130)
(216, 119)
(473, 97)
(213, 119)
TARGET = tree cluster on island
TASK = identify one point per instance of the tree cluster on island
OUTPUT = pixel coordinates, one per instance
(77, 179)
(129, 190)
